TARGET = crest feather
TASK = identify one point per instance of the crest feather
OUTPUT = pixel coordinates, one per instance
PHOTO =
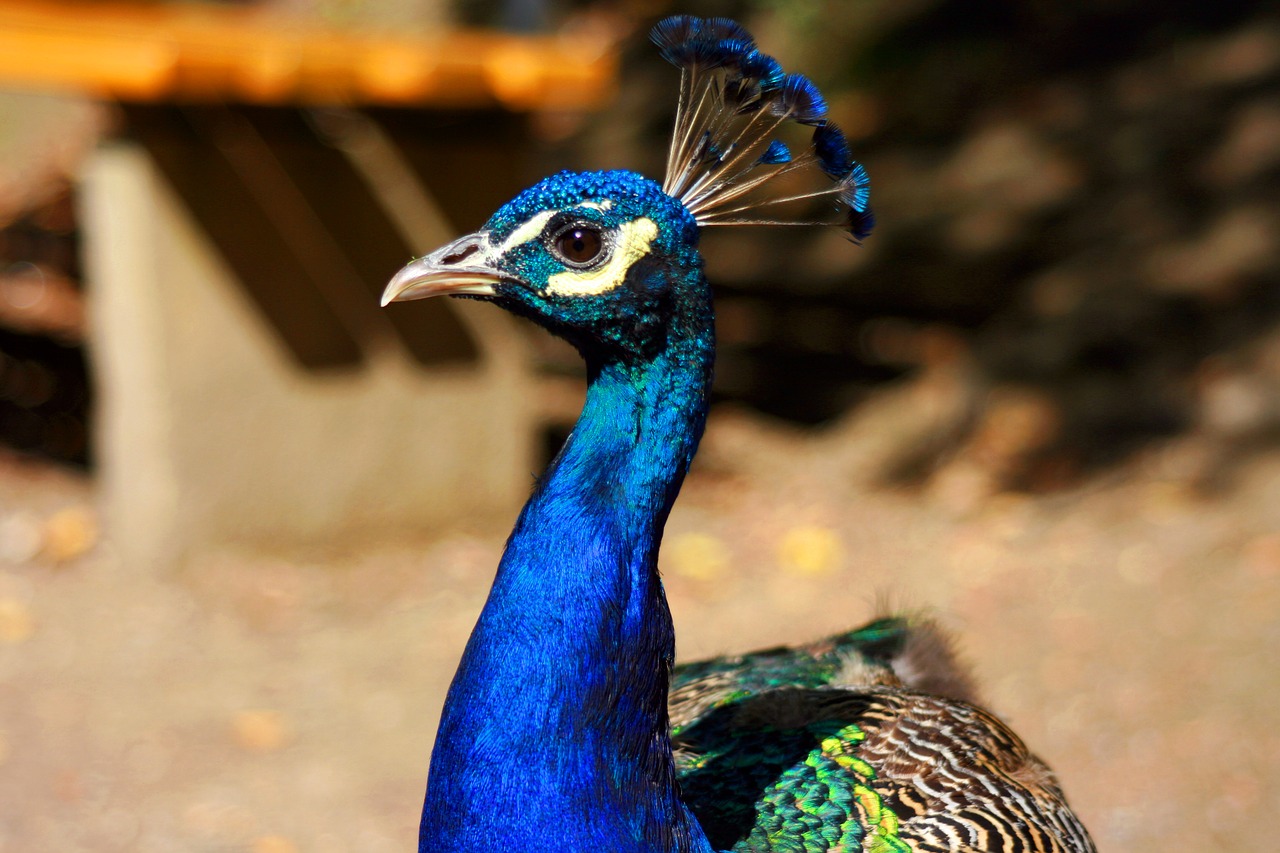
(725, 163)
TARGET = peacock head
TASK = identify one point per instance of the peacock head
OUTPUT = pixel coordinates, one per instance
(609, 260)
(606, 260)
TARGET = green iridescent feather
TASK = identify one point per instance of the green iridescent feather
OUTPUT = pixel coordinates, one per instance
(697, 687)
(866, 742)
(757, 786)
(555, 730)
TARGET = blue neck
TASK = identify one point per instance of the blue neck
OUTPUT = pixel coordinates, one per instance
(554, 733)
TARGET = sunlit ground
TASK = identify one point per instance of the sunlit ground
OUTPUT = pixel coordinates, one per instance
(1126, 627)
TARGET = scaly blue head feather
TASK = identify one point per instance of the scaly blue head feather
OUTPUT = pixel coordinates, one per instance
(621, 299)
(599, 258)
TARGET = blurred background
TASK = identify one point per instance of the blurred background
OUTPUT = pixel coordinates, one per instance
(247, 519)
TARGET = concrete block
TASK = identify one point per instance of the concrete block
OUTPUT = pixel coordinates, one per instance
(209, 435)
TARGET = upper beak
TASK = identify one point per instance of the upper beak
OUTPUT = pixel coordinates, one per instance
(460, 268)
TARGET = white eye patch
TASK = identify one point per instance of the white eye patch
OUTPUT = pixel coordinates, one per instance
(530, 230)
(633, 242)
(533, 227)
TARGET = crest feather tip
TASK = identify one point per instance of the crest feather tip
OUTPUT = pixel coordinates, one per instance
(725, 159)
(776, 153)
(799, 100)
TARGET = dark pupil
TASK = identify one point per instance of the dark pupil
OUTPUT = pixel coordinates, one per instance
(579, 245)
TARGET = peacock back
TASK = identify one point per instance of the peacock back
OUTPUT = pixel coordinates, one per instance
(866, 741)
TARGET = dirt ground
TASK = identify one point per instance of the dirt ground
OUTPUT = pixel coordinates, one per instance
(1128, 627)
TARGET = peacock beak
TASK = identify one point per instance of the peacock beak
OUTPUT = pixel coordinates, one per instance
(462, 268)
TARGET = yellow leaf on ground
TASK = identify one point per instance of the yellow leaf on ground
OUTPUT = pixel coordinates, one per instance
(16, 621)
(261, 730)
(809, 550)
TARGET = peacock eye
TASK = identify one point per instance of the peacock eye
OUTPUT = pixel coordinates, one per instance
(579, 245)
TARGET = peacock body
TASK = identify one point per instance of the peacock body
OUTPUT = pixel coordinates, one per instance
(567, 725)
(866, 741)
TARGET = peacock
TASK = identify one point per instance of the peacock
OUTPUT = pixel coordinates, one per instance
(567, 725)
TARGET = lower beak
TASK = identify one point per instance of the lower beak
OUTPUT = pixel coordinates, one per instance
(461, 268)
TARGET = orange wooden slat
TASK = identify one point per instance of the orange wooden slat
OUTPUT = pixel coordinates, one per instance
(190, 52)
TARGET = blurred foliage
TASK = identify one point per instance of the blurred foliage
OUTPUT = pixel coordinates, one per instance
(1080, 198)
(1076, 204)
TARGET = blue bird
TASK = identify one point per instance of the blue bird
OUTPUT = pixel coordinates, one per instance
(567, 725)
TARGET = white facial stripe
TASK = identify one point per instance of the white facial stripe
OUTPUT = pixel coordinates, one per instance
(526, 232)
(606, 204)
(633, 243)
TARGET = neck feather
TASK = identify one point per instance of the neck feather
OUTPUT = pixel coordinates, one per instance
(556, 723)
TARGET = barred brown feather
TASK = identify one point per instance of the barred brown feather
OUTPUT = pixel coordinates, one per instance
(850, 716)
(964, 780)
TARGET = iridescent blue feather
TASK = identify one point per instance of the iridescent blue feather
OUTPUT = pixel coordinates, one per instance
(833, 152)
(798, 98)
(725, 161)
(777, 153)
(567, 725)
